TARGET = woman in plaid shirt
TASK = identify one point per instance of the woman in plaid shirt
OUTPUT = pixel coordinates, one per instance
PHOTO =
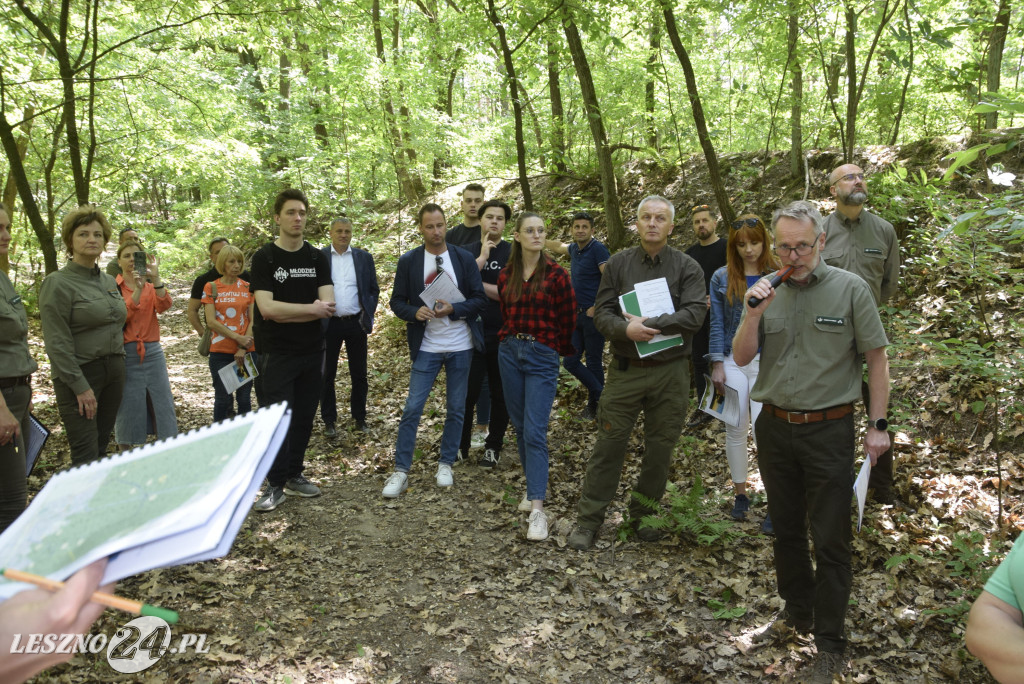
(539, 308)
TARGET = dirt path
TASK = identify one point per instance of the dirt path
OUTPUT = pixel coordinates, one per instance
(441, 586)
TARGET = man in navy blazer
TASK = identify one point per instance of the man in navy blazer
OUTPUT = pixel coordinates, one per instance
(443, 333)
(356, 292)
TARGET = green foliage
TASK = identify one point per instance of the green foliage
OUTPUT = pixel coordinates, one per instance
(721, 610)
(970, 564)
(690, 515)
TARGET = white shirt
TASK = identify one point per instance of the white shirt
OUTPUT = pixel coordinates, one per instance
(443, 334)
(346, 291)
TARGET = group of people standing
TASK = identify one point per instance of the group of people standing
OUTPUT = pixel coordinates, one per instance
(506, 312)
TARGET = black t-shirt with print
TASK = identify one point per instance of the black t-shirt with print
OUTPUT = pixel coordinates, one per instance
(293, 277)
(489, 274)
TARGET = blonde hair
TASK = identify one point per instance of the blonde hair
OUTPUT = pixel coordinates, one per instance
(228, 252)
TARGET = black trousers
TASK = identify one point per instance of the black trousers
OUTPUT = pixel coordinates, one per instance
(485, 365)
(344, 331)
(807, 472)
(296, 379)
(881, 473)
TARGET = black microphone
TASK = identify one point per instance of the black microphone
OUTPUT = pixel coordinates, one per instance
(777, 280)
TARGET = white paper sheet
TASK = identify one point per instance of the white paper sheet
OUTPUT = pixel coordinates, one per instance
(860, 489)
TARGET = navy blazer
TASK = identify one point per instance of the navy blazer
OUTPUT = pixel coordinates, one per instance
(405, 298)
(366, 284)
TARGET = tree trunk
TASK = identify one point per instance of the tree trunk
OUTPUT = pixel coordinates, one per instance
(721, 197)
(652, 76)
(28, 200)
(851, 85)
(408, 180)
(517, 106)
(996, 41)
(796, 135)
(557, 112)
(906, 81)
(609, 189)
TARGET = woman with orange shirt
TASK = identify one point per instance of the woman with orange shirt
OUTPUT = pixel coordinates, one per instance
(147, 406)
(229, 315)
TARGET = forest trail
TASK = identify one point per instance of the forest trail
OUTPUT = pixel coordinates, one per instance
(442, 586)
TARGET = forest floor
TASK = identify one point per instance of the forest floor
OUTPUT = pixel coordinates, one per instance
(442, 586)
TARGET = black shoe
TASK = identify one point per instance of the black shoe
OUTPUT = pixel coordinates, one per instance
(330, 432)
(766, 526)
(490, 459)
(581, 539)
(589, 413)
(361, 426)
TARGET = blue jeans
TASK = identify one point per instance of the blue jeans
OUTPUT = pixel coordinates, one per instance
(589, 343)
(421, 379)
(221, 397)
(529, 376)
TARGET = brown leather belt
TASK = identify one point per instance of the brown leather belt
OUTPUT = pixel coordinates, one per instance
(7, 383)
(804, 417)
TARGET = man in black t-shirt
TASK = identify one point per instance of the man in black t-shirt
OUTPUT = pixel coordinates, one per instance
(292, 284)
(468, 232)
(491, 256)
(709, 252)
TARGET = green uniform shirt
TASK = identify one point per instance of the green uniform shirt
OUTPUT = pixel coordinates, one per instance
(867, 247)
(83, 316)
(685, 283)
(811, 338)
(15, 359)
(1007, 582)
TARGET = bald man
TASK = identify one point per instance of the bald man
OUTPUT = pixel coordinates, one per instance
(861, 242)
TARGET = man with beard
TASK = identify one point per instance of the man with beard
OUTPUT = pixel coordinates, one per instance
(709, 251)
(861, 242)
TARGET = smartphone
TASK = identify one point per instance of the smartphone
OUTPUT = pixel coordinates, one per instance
(140, 262)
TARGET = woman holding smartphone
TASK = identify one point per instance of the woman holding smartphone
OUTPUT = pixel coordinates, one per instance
(83, 314)
(539, 311)
(147, 406)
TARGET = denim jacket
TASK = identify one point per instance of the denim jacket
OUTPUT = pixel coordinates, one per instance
(725, 317)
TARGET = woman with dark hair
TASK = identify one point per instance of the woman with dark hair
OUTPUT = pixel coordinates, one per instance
(83, 313)
(748, 258)
(147, 397)
(229, 306)
(16, 368)
(539, 311)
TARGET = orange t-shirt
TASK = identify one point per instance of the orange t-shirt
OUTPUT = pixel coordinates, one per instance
(232, 306)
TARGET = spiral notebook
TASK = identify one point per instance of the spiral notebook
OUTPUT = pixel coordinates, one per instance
(177, 501)
(35, 439)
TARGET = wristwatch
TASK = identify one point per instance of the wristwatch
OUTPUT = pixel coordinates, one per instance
(879, 424)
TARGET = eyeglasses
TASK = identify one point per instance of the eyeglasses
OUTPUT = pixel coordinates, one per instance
(700, 207)
(748, 222)
(803, 249)
(851, 177)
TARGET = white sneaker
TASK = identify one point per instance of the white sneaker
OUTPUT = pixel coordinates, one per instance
(538, 526)
(396, 484)
(525, 506)
(444, 475)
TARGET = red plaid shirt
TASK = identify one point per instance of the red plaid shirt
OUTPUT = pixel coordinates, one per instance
(549, 314)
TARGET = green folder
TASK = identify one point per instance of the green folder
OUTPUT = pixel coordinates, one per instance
(630, 305)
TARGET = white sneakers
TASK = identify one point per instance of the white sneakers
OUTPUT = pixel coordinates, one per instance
(538, 530)
(396, 484)
(444, 475)
(525, 506)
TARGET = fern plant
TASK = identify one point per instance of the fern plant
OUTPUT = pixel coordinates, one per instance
(689, 515)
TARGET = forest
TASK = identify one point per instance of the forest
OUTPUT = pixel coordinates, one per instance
(183, 120)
